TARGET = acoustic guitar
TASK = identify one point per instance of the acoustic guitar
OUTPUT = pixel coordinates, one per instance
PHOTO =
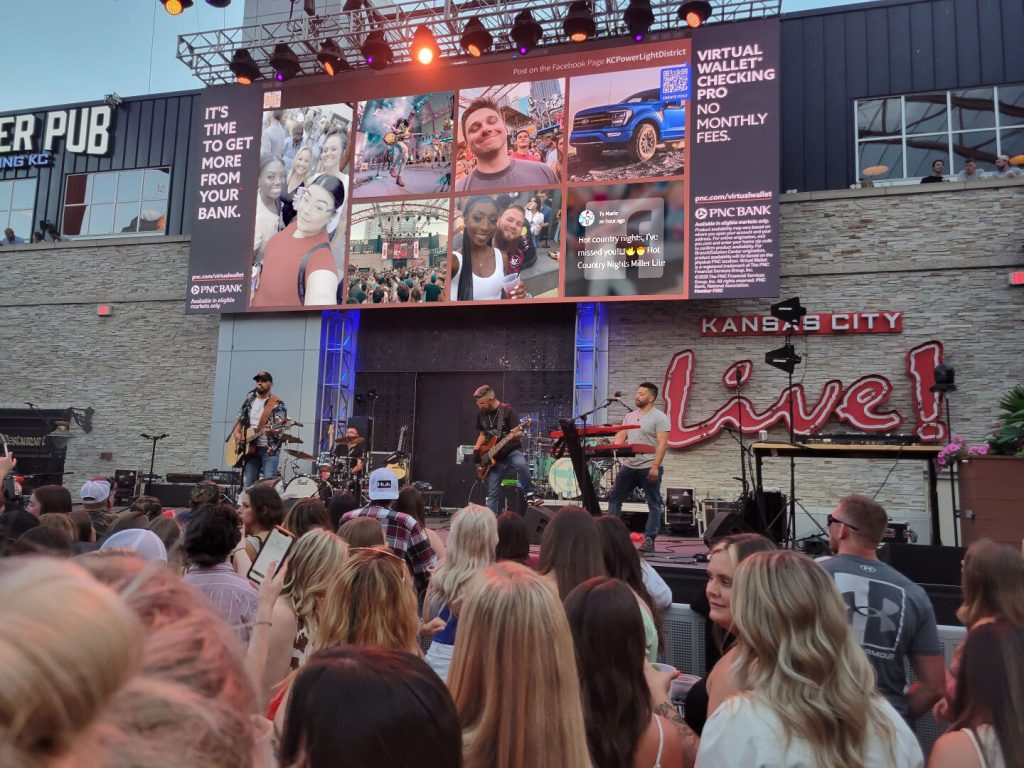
(490, 449)
(235, 451)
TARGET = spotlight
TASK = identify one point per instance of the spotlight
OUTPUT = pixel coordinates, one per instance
(475, 38)
(424, 46)
(285, 62)
(331, 58)
(219, 3)
(526, 32)
(243, 67)
(638, 17)
(945, 379)
(695, 12)
(376, 51)
(579, 21)
(784, 358)
(352, 5)
(175, 7)
(790, 310)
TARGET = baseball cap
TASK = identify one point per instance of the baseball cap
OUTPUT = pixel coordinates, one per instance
(141, 541)
(205, 491)
(95, 490)
(383, 484)
(262, 375)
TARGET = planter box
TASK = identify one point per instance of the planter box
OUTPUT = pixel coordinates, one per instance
(992, 499)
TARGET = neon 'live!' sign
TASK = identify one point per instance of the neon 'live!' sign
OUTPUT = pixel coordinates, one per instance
(860, 404)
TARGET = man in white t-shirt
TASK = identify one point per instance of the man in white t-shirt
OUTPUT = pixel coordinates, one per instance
(649, 426)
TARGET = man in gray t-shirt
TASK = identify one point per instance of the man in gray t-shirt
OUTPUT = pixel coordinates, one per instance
(891, 617)
(486, 136)
(646, 426)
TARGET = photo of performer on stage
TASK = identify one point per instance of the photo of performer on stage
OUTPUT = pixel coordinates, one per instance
(500, 130)
(398, 252)
(498, 422)
(400, 145)
(520, 247)
(646, 426)
(258, 429)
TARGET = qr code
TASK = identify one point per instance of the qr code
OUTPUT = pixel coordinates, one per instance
(675, 82)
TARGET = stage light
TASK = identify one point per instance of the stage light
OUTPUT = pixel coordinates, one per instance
(175, 7)
(695, 13)
(475, 38)
(525, 32)
(376, 51)
(789, 310)
(331, 58)
(638, 18)
(424, 46)
(784, 358)
(219, 3)
(945, 379)
(352, 5)
(243, 67)
(579, 21)
(285, 62)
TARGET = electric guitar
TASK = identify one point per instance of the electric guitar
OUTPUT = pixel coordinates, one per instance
(492, 447)
(236, 451)
(399, 464)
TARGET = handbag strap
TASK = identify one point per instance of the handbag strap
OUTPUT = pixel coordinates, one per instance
(302, 269)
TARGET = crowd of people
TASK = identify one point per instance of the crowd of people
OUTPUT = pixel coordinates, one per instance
(408, 285)
(136, 638)
(1002, 169)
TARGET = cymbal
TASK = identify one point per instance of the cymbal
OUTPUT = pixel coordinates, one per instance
(300, 454)
(291, 439)
(351, 442)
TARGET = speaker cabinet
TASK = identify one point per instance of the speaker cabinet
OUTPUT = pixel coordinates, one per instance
(725, 523)
(537, 519)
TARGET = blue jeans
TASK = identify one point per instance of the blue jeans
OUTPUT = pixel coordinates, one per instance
(625, 482)
(259, 465)
(517, 461)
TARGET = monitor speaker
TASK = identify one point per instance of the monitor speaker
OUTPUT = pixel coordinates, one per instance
(171, 494)
(725, 523)
(537, 519)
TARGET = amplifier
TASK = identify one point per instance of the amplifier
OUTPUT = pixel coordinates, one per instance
(171, 494)
(228, 477)
(861, 438)
(184, 477)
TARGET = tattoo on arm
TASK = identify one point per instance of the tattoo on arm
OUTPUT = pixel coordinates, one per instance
(687, 738)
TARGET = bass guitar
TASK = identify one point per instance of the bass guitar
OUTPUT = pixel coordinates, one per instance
(490, 449)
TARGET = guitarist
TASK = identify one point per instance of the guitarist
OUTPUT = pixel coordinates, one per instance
(495, 420)
(262, 411)
(402, 127)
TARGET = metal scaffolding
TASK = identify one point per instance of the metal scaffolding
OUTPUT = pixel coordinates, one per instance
(208, 54)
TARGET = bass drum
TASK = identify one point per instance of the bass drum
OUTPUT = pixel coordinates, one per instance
(562, 478)
(305, 487)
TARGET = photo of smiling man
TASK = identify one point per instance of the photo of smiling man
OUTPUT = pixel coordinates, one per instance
(489, 119)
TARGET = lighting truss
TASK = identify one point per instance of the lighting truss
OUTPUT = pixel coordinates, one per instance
(208, 54)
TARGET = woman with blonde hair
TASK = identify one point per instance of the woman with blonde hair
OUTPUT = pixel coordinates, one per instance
(513, 675)
(471, 543)
(370, 600)
(68, 645)
(993, 588)
(313, 560)
(810, 695)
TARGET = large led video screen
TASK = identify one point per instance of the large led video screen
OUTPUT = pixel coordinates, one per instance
(647, 172)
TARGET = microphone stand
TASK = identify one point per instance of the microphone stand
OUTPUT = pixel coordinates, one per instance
(152, 456)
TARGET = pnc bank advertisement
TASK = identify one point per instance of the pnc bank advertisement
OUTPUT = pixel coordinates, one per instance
(643, 172)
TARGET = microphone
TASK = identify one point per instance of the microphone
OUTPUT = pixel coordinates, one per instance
(617, 395)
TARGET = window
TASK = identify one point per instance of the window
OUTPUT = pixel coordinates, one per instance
(17, 205)
(116, 203)
(899, 137)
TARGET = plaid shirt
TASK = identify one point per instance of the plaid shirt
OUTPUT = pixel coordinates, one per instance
(404, 535)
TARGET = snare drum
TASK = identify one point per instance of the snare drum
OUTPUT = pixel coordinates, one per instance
(303, 487)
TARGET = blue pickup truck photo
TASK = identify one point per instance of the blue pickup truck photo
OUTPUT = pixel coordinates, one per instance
(639, 124)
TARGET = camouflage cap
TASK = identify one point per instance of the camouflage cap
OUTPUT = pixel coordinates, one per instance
(205, 492)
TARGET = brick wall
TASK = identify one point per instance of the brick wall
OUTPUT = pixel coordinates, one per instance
(147, 368)
(942, 257)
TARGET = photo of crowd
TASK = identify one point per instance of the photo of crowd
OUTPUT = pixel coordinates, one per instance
(625, 240)
(510, 137)
(398, 252)
(631, 127)
(299, 237)
(404, 146)
(506, 246)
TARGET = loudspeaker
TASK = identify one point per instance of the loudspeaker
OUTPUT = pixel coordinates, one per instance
(774, 524)
(171, 494)
(184, 477)
(124, 485)
(924, 564)
(537, 519)
(725, 523)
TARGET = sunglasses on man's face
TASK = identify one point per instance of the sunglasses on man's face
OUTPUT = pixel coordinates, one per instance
(831, 520)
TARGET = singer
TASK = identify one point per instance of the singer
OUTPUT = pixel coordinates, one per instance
(650, 426)
(258, 420)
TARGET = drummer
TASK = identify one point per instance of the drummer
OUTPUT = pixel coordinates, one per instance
(350, 452)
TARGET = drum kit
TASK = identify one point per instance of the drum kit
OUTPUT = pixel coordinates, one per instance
(333, 473)
(553, 477)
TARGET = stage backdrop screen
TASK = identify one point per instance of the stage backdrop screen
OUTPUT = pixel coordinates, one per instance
(646, 172)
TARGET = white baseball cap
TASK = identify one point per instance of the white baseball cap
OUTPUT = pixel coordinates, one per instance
(383, 484)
